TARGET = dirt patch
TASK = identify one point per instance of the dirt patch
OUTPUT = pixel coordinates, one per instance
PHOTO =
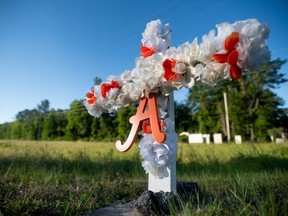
(150, 203)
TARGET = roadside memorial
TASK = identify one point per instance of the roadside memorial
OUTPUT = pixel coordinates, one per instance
(161, 69)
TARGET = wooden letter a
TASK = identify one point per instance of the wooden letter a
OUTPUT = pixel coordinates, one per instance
(136, 120)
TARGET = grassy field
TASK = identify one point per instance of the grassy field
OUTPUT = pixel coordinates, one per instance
(73, 178)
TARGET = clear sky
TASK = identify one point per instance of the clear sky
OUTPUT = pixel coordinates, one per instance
(54, 49)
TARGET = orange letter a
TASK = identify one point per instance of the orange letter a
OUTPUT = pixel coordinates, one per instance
(141, 115)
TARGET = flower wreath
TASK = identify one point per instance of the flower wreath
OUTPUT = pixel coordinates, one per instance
(161, 69)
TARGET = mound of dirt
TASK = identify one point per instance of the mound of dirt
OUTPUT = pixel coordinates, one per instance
(150, 203)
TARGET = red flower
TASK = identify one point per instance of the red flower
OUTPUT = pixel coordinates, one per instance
(169, 66)
(91, 98)
(106, 87)
(231, 56)
(146, 51)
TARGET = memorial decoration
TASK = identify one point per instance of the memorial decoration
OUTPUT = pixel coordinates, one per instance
(161, 69)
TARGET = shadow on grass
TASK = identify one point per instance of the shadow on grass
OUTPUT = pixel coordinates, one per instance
(239, 164)
(82, 166)
(18, 193)
(112, 168)
(60, 186)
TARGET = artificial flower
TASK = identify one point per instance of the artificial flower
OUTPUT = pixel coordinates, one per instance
(90, 97)
(169, 66)
(158, 154)
(147, 51)
(157, 157)
(158, 172)
(236, 46)
(156, 35)
(106, 87)
(231, 56)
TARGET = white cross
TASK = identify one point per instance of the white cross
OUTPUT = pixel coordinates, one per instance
(162, 69)
(166, 184)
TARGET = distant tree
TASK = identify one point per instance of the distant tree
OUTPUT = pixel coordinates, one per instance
(184, 119)
(79, 122)
(54, 125)
(94, 129)
(122, 120)
(107, 127)
(16, 130)
(5, 130)
(27, 125)
(43, 109)
(282, 119)
(97, 80)
(261, 104)
(203, 101)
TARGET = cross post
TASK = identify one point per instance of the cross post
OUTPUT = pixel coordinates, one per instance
(166, 184)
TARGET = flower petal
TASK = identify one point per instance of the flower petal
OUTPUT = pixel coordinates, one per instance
(147, 51)
(106, 87)
(89, 95)
(220, 58)
(115, 84)
(92, 100)
(231, 41)
(235, 72)
(169, 66)
(232, 58)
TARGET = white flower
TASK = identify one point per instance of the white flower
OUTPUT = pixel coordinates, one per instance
(94, 108)
(249, 49)
(257, 52)
(236, 46)
(157, 156)
(253, 52)
(156, 35)
(162, 101)
(148, 72)
(126, 76)
(158, 172)
(130, 93)
(184, 58)
(209, 45)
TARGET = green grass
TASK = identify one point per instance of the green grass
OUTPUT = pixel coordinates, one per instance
(73, 178)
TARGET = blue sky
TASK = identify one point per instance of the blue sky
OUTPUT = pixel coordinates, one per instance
(53, 49)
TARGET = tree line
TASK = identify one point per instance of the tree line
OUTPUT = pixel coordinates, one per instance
(254, 112)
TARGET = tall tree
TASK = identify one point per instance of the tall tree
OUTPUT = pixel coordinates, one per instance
(43, 109)
(26, 125)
